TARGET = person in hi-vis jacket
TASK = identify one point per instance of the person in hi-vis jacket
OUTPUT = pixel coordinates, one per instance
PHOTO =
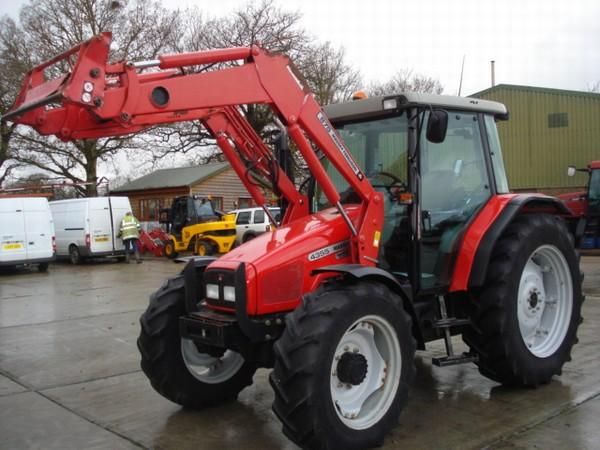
(130, 233)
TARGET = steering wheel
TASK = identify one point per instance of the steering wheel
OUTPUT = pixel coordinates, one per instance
(396, 182)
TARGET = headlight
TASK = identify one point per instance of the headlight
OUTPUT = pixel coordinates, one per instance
(229, 293)
(390, 103)
(212, 291)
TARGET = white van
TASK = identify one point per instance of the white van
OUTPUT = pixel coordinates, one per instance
(88, 227)
(26, 232)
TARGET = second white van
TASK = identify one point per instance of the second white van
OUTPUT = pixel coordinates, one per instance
(26, 232)
(88, 227)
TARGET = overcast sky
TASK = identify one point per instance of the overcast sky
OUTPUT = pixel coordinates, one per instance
(540, 43)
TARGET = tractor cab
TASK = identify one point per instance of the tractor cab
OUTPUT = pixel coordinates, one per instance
(594, 192)
(434, 175)
(587, 203)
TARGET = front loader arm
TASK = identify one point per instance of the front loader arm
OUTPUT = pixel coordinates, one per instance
(97, 99)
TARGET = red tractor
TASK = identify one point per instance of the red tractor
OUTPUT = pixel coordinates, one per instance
(587, 203)
(404, 233)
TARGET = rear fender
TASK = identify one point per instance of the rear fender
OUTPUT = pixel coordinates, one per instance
(365, 273)
(475, 254)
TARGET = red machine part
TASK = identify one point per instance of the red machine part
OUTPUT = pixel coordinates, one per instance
(578, 201)
(472, 238)
(99, 99)
(151, 243)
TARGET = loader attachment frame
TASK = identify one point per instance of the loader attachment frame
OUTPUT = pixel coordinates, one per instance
(98, 99)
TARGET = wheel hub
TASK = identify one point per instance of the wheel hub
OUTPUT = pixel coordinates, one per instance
(352, 368)
(365, 372)
(533, 299)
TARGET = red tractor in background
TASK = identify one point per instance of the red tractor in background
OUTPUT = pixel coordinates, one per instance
(404, 233)
(587, 203)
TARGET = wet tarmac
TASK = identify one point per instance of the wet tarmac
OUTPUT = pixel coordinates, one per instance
(70, 379)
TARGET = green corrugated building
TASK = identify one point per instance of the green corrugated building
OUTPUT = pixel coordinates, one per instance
(548, 129)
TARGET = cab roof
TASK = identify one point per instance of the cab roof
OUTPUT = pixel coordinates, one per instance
(358, 109)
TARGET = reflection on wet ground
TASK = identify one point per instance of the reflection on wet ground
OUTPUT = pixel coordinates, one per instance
(70, 378)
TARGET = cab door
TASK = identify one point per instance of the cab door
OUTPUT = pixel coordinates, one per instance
(454, 184)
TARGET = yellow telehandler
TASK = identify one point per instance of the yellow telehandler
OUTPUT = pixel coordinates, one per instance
(194, 225)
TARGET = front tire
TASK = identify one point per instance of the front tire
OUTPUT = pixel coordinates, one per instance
(343, 367)
(525, 320)
(170, 249)
(176, 367)
(248, 237)
(203, 247)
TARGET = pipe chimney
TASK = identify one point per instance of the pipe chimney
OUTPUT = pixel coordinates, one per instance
(493, 67)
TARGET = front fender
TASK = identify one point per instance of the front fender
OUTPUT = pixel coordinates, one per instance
(360, 272)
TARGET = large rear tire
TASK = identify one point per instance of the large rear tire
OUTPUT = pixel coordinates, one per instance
(343, 367)
(526, 317)
(177, 368)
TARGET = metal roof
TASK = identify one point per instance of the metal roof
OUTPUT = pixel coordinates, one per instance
(361, 108)
(537, 146)
(177, 177)
(516, 87)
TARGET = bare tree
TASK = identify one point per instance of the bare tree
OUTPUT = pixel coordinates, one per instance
(14, 62)
(275, 29)
(49, 27)
(327, 73)
(594, 87)
(407, 80)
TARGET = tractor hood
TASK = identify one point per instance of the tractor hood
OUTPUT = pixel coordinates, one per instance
(279, 264)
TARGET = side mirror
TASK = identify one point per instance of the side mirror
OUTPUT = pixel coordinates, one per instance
(437, 126)
(571, 170)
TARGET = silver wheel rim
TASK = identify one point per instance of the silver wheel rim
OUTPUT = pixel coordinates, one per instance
(210, 369)
(545, 301)
(361, 406)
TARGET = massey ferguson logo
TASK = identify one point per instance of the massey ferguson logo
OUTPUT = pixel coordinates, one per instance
(340, 145)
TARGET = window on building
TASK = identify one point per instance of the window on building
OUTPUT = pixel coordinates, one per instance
(558, 120)
(244, 202)
(150, 208)
(217, 203)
